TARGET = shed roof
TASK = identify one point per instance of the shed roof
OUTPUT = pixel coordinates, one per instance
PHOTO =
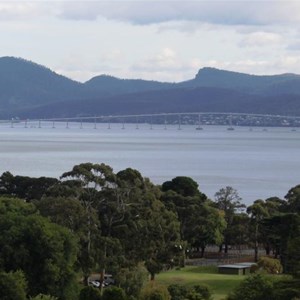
(233, 266)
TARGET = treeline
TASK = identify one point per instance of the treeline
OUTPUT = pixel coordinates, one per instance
(95, 220)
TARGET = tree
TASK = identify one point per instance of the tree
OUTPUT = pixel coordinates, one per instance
(284, 230)
(89, 293)
(70, 213)
(273, 206)
(257, 212)
(254, 287)
(132, 279)
(238, 233)
(12, 286)
(114, 293)
(25, 187)
(205, 227)
(44, 251)
(228, 200)
(135, 224)
(89, 179)
(200, 224)
(160, 229)
(182, 185)
(293, 200)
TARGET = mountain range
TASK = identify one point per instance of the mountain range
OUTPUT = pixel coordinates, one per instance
(29, 90)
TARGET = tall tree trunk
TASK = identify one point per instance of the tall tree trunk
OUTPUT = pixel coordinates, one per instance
(85, 280)
(152, 276)
(202, 251)
(226, 248)
(256, 243)
(221, 248)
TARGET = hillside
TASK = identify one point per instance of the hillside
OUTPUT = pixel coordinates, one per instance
(29, 90)
(253, 84)
(110, 86)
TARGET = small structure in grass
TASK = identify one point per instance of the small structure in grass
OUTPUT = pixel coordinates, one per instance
(235, 269)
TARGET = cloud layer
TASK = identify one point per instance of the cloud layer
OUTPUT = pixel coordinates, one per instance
(214, 11)
(160, 40)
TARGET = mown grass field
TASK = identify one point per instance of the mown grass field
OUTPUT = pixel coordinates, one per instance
(220, 284)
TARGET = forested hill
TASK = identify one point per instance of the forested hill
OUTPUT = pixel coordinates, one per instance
(29, 90)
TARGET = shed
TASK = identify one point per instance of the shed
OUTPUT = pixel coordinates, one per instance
(234, 269)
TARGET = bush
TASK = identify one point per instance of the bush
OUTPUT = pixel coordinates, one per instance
(203, 290)
(197, 292)
(90, 293)
(270, 265)
(254, 287)
(12, 286)
(43, 297)
(131, 280)
(155, 292)
(177, 291)
(254, 268)
(113, 293)
(287, 289)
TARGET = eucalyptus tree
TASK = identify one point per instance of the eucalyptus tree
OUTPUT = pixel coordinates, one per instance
(69, 212)
(228, 200)
(257, 212)
(284, 229)
(200, 223)
(238, 232)
(293, 200)
(88, 181)
(146, 229)
(133, 225)
(25, 187)
(45, 252)
(206, 227)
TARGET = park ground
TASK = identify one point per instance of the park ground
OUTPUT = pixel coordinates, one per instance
(220, 284)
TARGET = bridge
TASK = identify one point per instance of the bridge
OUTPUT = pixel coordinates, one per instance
(198, 119)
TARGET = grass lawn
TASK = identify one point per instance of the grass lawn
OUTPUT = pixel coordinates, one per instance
(220, 284)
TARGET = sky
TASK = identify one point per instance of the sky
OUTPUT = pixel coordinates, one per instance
(154, 40)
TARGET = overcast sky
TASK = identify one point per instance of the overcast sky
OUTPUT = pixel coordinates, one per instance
(157, 40)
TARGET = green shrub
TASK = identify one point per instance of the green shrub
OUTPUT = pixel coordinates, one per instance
(203, 290)
(287, 289)
(177, 291)
(113, 293)
(90, 293)
(254, 268)
(270, 265)
(254, 287)
(197, 292)
(43, 297)
(153, 291)
(12, 286)
(131, 280)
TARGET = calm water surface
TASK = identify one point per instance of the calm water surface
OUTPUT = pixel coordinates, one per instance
(259, 164)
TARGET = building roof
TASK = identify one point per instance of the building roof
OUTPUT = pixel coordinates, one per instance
(233, 266)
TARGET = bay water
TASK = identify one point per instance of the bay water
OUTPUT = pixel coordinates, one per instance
(259, 163)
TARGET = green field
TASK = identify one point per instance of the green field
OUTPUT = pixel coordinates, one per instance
(220, 284)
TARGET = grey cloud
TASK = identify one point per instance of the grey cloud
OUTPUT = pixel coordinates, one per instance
(294, 46)
(23, 10)
(222, 12)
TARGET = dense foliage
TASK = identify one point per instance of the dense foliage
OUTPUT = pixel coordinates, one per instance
(56, 232)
